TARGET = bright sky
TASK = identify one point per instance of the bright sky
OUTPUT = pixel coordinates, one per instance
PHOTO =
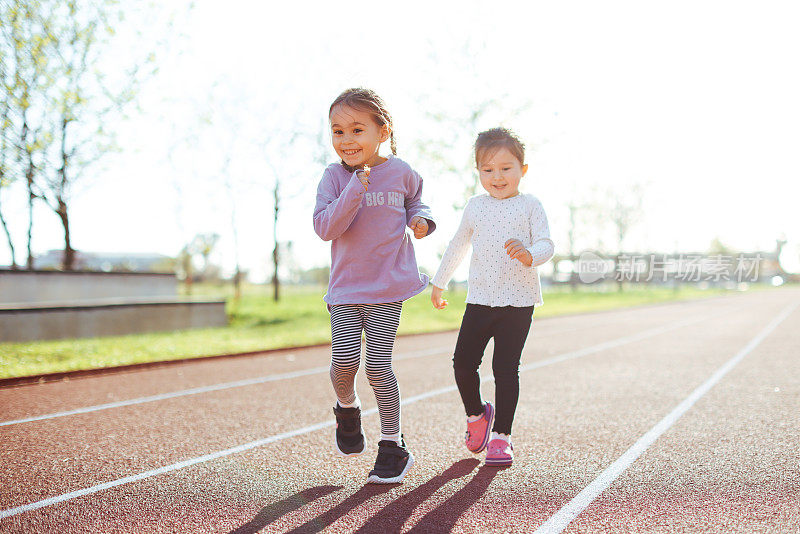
(697, 101)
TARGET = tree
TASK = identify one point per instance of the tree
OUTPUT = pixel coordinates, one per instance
(450, 151)
(62, 88)
(230, 125)
(624, 211)
(572, 230)
(717, 246)
(610, 213)
(247, 131)
(276, 145)
(6, 172)
(237, 274)
(285, 143)
(4, 183)
(275, 252)
(203, 244)
(88, 95)
(454, 123)
(25, 42)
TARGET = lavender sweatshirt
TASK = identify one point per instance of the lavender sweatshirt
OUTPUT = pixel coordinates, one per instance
(372, 258)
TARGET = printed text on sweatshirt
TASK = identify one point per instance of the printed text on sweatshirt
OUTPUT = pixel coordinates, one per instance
(372, 257)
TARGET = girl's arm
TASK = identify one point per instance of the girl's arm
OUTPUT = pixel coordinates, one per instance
(416, 208)
(334, 213)
(542, 248)
(455, 252)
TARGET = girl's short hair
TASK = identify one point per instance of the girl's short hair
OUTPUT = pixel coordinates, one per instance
(368, 101)
(491, 141)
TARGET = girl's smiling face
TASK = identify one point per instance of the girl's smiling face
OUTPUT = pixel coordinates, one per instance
(500, 173)
(356, 136)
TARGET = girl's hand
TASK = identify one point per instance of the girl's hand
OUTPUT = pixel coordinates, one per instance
(419, 226)
(436, 298)
(363, 176)
(515, 249)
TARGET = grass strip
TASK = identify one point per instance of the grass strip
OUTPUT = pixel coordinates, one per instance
(299, 318)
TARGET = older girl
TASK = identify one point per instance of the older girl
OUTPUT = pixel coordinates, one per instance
(364, 205)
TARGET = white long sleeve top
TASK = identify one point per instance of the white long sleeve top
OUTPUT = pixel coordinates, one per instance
(494, 278)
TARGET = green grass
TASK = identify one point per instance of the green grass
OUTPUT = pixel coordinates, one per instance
(300, 318)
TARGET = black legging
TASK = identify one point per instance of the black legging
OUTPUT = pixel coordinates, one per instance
(509, 327)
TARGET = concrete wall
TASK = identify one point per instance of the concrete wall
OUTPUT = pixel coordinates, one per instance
(55, 286)
(93, 320)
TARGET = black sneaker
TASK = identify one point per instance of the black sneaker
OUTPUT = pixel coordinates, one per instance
(349, 436)
(392, 464)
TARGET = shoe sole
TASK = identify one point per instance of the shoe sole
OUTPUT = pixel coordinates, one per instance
(498, 463)
(488, 431)
(375, 479)
(347, 454)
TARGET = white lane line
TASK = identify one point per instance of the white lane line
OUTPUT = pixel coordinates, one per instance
(208, 389)
(253, 381)
(305, 430)
(161, 470)
(200, 459)
(561, 519)
(611, 344)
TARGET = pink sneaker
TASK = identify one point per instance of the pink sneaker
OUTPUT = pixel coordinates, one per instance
(479, 431)
(499, 452)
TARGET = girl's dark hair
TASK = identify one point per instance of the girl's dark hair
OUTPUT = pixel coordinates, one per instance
(495, 139)
(368, 101)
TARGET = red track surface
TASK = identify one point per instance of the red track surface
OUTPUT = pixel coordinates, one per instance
(730, 463)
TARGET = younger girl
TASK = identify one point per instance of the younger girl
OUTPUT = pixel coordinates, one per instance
(510, 238)
(363, 207)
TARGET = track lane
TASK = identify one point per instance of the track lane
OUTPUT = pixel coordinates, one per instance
(142, 433)
(730, 464)
(446, 370)
(208, 389)
(133, 427)
(40, 399)
(295, 475)
(108, 438)
(290, 356)
(561, 519)
(16, 403)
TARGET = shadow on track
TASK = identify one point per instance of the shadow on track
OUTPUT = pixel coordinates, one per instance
(392, 517)
(318, 523)
(276, 510)
(444, 517)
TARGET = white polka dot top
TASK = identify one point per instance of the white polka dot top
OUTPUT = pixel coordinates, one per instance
(494, 278)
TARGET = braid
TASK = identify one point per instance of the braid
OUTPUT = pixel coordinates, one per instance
(392, 143)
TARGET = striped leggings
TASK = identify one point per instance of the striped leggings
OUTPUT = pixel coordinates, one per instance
(379, 322)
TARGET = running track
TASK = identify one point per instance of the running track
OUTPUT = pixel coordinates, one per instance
(671, 418)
